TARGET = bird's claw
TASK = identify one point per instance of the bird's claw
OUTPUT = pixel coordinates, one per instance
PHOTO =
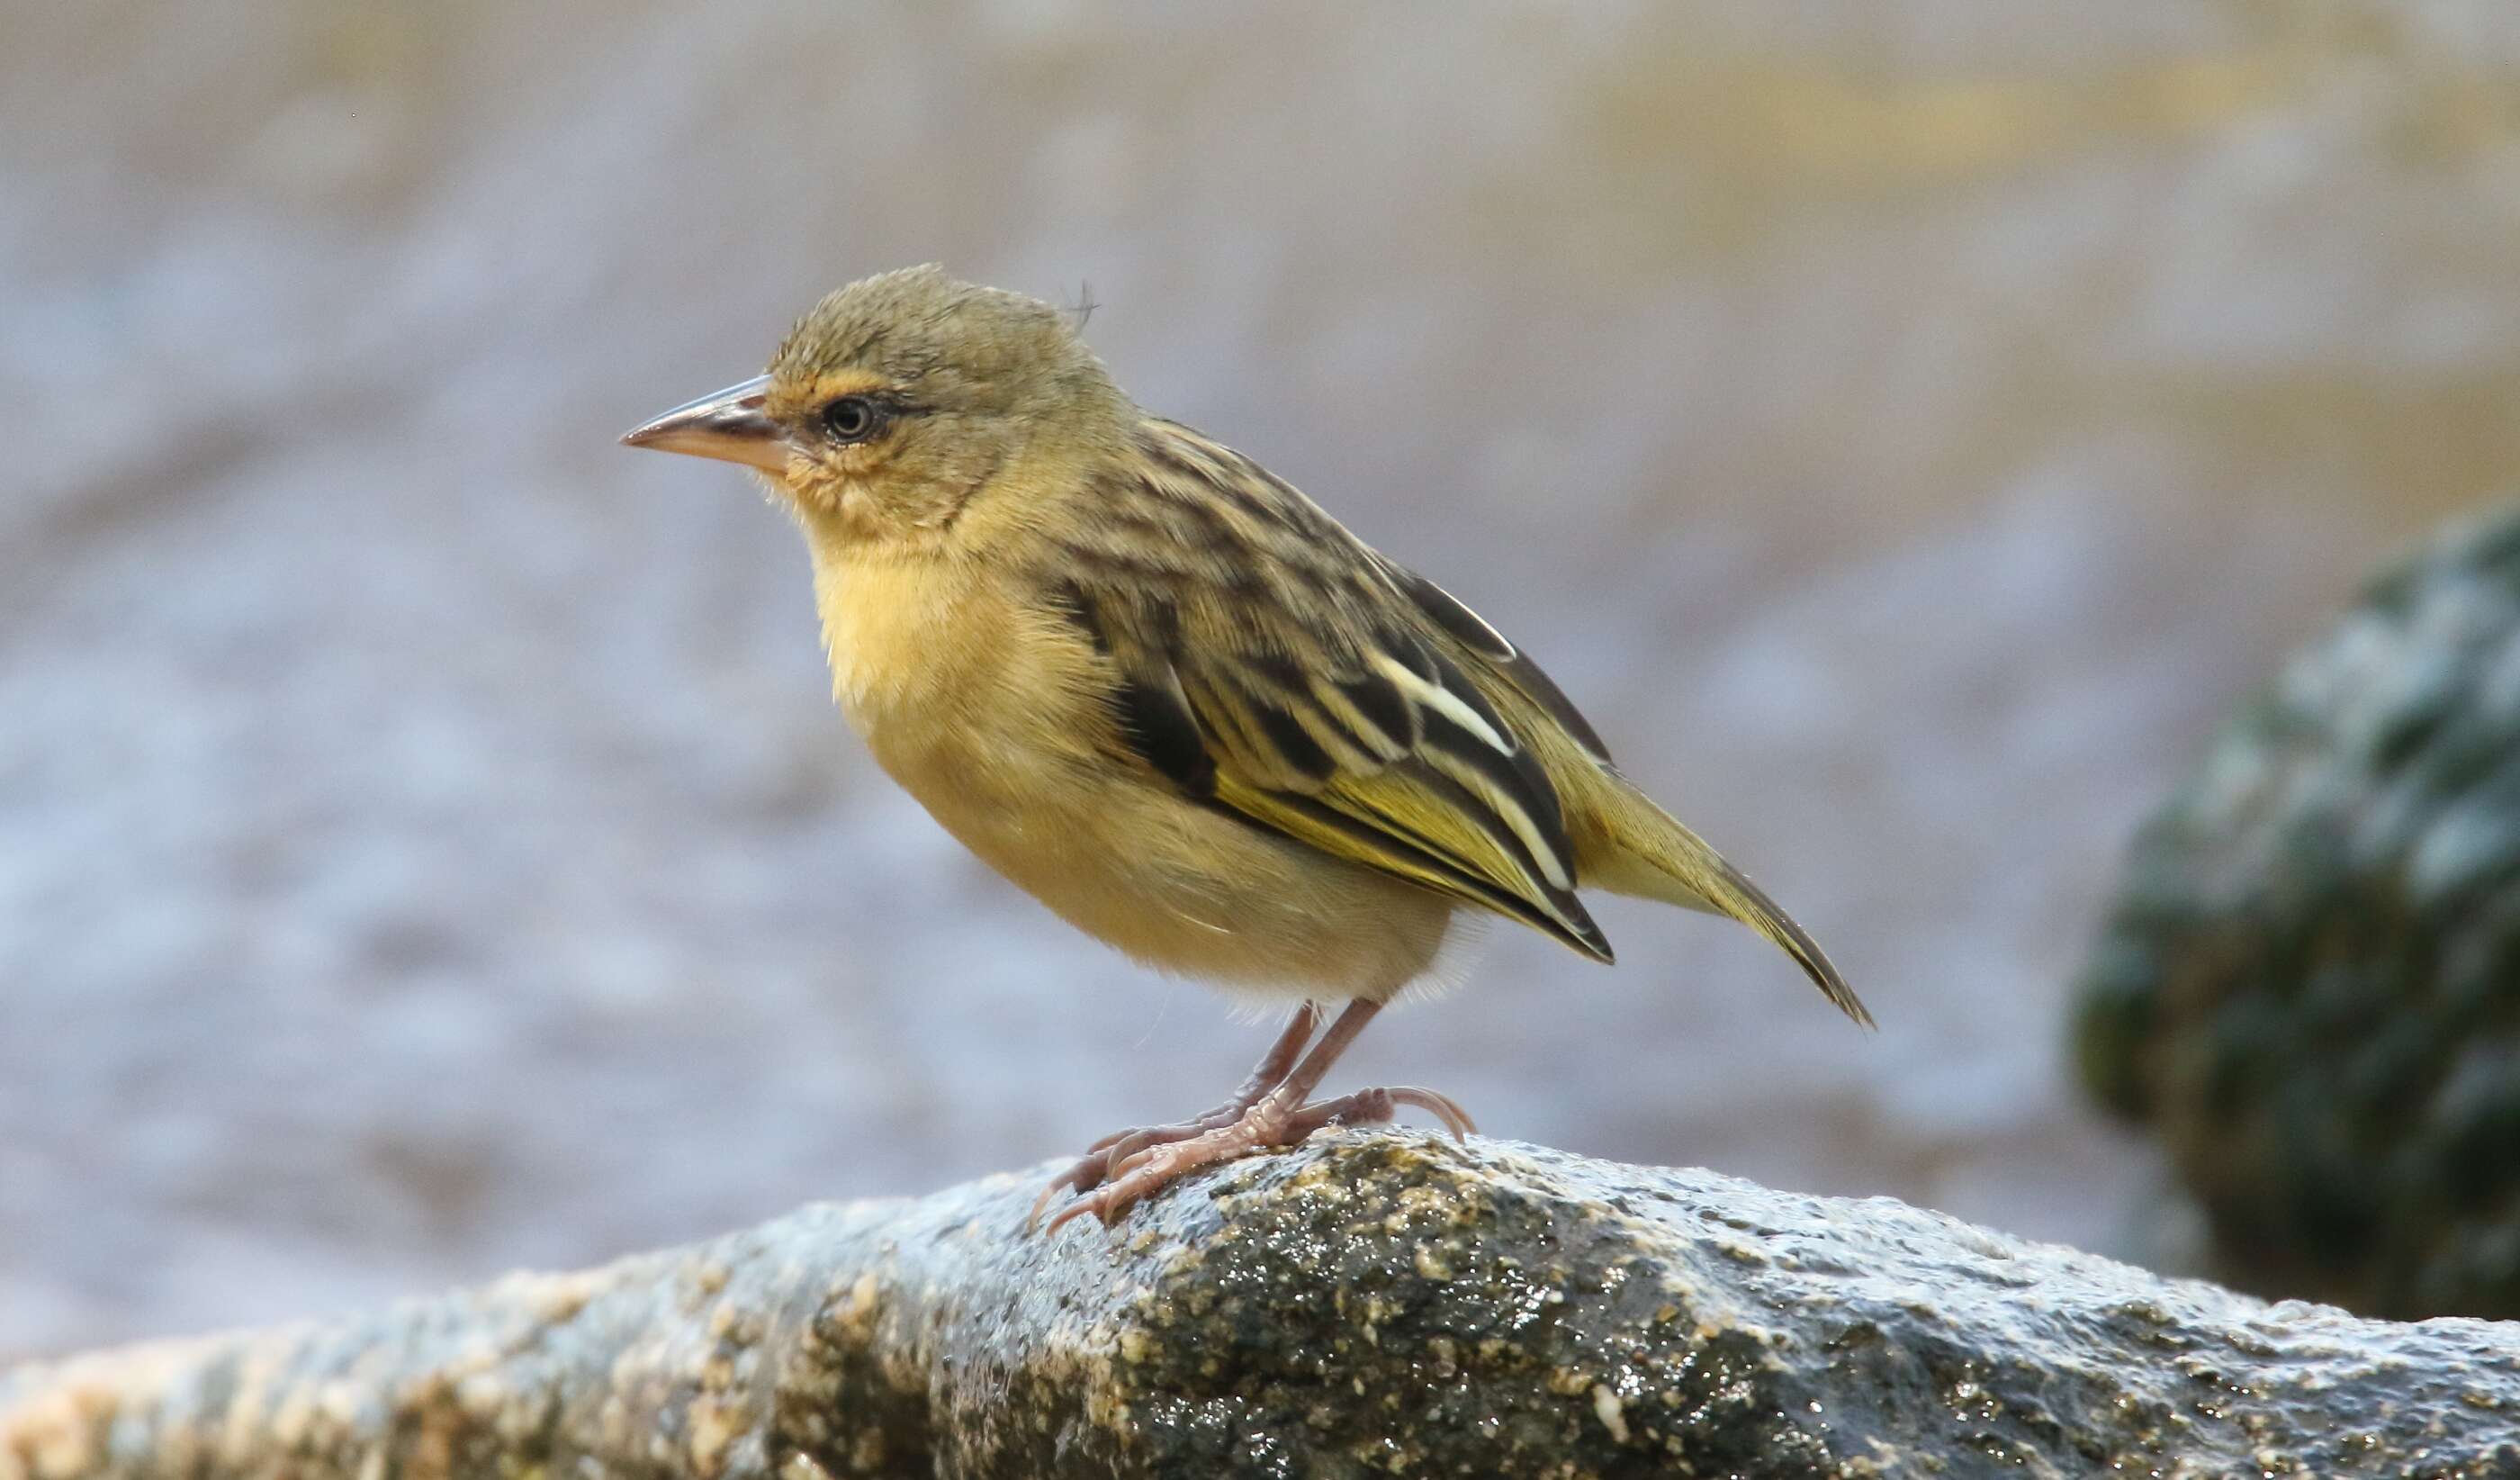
(1125, 1168)
(1150, 1168)
(1102, 1159)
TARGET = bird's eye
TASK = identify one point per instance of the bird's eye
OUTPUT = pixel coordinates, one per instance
(852, 419)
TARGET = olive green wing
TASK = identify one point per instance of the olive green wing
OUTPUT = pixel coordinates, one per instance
(1495, 651)
(1312, 705)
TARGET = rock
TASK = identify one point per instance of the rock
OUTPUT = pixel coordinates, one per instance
(2308, 987)
(1372, 1303)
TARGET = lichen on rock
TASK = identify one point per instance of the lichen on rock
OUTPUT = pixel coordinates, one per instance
(1372, 1303)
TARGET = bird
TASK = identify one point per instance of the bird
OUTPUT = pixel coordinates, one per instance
(1165, 693)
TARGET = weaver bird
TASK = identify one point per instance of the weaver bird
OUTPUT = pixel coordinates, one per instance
(1166, 694)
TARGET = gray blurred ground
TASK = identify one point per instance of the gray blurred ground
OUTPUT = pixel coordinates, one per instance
(425, 843)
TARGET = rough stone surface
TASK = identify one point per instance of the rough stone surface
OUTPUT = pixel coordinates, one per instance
(2310, 985)
(1372, 1303)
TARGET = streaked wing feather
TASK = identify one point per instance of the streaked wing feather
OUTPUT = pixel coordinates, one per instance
(1472, 631)
(1318, 710)
(1340, 832)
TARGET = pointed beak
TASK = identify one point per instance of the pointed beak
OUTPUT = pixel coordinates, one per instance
(729, 426)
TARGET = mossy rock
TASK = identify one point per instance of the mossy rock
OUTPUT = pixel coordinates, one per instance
(2308, 987)
(1371, 1303)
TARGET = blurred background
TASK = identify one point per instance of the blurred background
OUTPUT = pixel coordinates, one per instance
(426, 843)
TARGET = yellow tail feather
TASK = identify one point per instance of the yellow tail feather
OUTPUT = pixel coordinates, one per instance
(1653, 857)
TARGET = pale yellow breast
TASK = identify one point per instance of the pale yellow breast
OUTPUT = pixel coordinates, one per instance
(971, 701)
(993, 715)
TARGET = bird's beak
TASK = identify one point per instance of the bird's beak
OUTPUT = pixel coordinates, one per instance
(729, 426)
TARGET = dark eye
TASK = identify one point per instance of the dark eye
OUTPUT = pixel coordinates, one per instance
(852, 419)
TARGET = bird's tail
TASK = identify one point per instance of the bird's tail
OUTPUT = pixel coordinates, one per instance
(1652, 856)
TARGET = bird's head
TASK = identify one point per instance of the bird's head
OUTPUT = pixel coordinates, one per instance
(900, 397)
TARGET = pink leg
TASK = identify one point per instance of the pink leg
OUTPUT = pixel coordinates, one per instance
(1278, 1116)
(1120, 1145)
(1265, 1076)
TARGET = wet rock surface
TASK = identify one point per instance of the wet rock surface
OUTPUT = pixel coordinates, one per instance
(1372, 1303)
(2308, 987)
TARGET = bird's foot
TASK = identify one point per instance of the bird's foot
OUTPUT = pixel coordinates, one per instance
(1135, 1164)
(1098, 1159)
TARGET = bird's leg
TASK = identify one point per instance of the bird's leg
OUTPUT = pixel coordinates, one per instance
(1120, 1145)
(1265, 1076)
(1280, 1117)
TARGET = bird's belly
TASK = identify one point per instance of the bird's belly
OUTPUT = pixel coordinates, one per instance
(1174, 884)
